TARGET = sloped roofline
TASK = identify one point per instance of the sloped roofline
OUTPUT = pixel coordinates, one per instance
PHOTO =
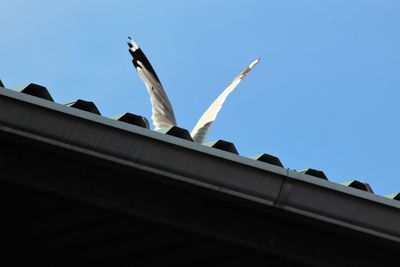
(217, 170)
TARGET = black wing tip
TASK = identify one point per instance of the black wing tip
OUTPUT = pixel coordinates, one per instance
(129, 42)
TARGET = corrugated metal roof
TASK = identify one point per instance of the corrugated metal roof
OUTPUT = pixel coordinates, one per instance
(42, 92)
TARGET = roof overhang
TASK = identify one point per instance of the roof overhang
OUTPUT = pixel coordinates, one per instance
(264, 187)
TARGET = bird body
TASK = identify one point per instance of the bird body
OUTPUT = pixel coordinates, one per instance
(162, 112)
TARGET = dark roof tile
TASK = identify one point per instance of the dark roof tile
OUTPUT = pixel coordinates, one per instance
(133, 119)
(177, 132)
(315, 173)
(84, 105)
(35, 90)
(268, 159)
(359, 185)
(223, 145)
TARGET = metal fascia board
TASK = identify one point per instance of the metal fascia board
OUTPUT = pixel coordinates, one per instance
(193, 146)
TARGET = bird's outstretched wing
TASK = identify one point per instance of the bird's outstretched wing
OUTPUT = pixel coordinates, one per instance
(200, 131)
(162, 112)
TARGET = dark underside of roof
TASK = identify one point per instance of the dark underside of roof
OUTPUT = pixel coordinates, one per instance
(66, 209)
(77, 191)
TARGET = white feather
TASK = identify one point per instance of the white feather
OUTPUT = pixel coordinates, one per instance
(162, 113)
(200, 131)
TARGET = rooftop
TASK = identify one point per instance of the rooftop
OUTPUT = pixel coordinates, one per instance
(300, 215)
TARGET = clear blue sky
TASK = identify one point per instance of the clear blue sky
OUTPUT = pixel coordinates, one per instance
(325, 96)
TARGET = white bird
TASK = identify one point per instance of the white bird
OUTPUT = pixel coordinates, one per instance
(162, 113)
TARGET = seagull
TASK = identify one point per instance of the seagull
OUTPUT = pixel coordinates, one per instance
(162, 113)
